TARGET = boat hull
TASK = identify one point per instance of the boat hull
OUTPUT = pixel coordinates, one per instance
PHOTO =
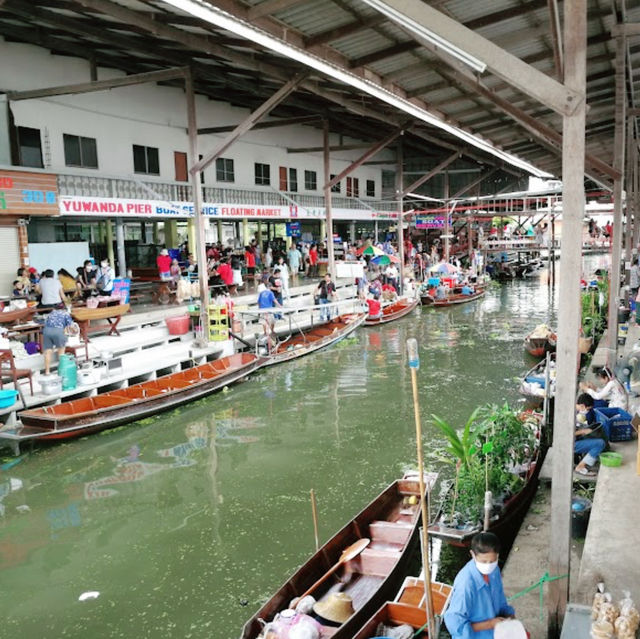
(372, 577)
(46, 424)
(313, 339)
(452, 300)
(392, 312)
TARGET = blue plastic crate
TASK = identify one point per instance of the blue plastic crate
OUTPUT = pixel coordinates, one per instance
(616, 423)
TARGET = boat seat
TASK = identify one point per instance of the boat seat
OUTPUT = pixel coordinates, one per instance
(390, 532)
(376, 562)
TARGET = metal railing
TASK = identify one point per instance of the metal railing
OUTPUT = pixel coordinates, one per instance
(141, 189)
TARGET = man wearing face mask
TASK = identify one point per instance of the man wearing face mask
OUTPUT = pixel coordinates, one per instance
(478, 603)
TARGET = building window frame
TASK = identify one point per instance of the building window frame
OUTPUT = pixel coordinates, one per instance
(371, 188)
(146, 159)
(225, 170)
(87, 151)
(262, 174)
(310, 180)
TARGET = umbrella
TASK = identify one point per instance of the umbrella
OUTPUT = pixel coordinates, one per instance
(381, 260)
(373, 250)
(395, 259)
(443, 267)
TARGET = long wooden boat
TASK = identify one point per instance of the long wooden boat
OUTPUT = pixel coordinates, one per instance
(393, 311)
(452, 298)
(9, 317)
(507, 521)
(82, 313)
(533, 383)
(80, 417)
(408, 608)
(390, 521)
(537, 346)
(309, 340)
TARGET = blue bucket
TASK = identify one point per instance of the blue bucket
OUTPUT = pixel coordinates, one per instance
(7, 398)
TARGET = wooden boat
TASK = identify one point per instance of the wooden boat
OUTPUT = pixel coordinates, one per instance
(390, 521)
(91, 414)
(453, 298)
(408, 608)
(83, 314)
(309, 340)
(538, 345)
(507, 522)
(9, 317)
(533, 383)
(393, 311)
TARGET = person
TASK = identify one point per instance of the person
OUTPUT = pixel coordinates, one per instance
(68, 282)
(268, 259)
(54, 334)
(86, 278)
(375, 308)
(313, 261)
(17, 289)
(24, 280)
(467, 290)
(587, 440)
(163, 262)
(325, 293)
(225, 272)
(389, 293)
(478, 603)
(634, 279)
(284, 276)
(175, 271)
(50, 289)
(441, 291)
(267, 300)
(104, 283)
(295, 258)
(391, 274)
(612, 391)
(250, 262)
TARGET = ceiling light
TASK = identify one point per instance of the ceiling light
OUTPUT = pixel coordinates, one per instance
(423, 32)
(214, 15)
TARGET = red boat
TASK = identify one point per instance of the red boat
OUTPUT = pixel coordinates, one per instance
(390, 522)
(393, 311)
(452, 299)
(80, 417)
(538, 344)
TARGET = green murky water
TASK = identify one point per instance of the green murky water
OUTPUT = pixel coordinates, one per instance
(184, 523)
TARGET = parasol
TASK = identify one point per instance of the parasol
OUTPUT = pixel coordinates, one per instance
(443, 267)
(373, 250)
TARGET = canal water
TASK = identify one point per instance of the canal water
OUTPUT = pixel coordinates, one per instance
(181, 525)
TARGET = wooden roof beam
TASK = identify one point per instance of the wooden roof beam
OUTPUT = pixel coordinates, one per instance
(345, 30)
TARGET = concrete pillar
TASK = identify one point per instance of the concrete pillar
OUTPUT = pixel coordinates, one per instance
(323, 230)
(191, 235)
(109, 242)
(219, 228)
(171, 234)
(259, 234)
(23, 243)
(156, 233)
(245, 232)
(375, 231)
(122, 257)
(352, 231)
(288, 241)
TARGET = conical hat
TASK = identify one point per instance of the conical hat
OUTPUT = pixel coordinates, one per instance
(509, 629)
(337, 607)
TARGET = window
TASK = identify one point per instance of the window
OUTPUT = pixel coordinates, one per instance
(310, 180)
(79, 151)
(293, 180)
(224, 170)
(371, 188)
(180, 162)
(29, 147)
(282, 174)
(263, 174)
(145, 160)
(349, 187)
(353, 187)
(336, 187)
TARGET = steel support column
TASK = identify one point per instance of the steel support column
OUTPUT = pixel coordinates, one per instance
(630, 212)
(200, 250)
(575, 38)
(331, 268)
(618, 164)
(122, 257)
(400, 228)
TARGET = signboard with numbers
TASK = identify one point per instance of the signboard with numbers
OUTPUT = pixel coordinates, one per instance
(23, 193)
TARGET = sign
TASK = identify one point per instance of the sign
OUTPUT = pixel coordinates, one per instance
(23, 193)
(79, 205)
(429, 221)
(121, 288)
(293, 229)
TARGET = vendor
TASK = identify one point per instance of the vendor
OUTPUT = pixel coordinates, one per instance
(104, 283)
(54, 335)
(612, 391)
(588, 442)
(50, 289)
(86, 278)
(374, 305)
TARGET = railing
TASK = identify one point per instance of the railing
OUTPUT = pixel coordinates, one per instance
(139, 189)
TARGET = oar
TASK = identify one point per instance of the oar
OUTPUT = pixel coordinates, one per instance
(348, 553)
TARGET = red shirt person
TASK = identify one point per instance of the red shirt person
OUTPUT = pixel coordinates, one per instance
(374, 307)
(163, 261)
(225, 273)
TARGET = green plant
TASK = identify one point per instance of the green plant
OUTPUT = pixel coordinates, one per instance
(461, 448)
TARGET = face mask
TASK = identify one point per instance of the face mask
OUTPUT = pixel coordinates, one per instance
(486, 569)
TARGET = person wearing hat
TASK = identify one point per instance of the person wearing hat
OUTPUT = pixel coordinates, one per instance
(478, 603)
(163, 262)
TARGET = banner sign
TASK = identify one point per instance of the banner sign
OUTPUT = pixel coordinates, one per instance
(23, 193)
(121, 289)
(293, 229)
(429, 221)
(119, 207)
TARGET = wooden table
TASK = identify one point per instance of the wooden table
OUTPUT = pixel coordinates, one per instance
(112, 314)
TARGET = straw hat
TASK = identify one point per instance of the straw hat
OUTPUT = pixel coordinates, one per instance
(337, 607)
(509, 629)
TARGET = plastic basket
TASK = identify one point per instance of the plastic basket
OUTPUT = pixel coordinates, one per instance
(611, 459)
(616, 423)
(8, 398)
(178, 325)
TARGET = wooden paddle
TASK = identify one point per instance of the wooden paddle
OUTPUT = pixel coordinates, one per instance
(348, 553)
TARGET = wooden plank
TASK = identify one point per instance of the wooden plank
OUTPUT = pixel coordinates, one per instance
(28, 193)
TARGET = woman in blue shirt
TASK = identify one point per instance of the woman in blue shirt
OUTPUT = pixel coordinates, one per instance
(478, 602)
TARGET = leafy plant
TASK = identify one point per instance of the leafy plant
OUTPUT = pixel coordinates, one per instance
(461, 448)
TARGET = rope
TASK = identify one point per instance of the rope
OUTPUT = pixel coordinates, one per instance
(538, 584)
